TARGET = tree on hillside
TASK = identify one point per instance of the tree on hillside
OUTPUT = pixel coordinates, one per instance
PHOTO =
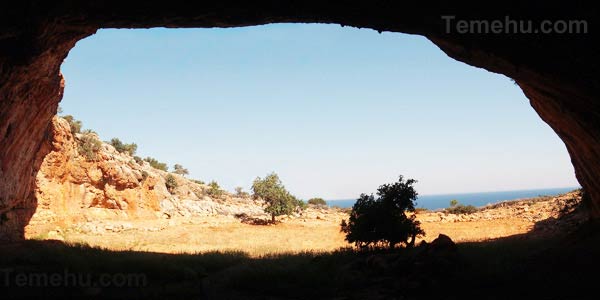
(383, 221)
(122, 147)
(239, 192)
(156, 164)
(171, 183)
(179, 169)
(73, 123)
(279, 201)
(317, 201)
(214, 190)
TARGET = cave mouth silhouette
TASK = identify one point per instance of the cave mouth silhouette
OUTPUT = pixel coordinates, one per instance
(555, 71)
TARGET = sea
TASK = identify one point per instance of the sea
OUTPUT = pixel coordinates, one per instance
(439, 201)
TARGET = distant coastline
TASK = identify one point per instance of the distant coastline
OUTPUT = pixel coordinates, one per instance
(477, 199)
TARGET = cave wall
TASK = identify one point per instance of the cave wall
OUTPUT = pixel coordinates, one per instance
(557, 72)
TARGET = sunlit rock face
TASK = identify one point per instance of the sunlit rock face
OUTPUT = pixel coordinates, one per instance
(557, 72)
(74, 188)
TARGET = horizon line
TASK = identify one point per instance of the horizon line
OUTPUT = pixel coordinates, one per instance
(482, 192)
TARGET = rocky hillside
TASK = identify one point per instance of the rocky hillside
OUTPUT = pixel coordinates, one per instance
(73, 187)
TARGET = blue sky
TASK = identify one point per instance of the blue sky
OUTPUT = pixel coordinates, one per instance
(335, 111)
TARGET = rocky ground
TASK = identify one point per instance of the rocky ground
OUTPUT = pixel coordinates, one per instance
(315, 229)
(117, 202)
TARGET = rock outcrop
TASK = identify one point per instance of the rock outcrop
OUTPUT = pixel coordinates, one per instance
(558, 72)
(71, 188)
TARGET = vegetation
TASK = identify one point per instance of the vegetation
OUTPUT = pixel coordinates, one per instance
(457, 208)
(421, 210)
(156, 164)
(122, 147)
(279, 201)
(88, 146)
(518, 264)
(239, 192)
(317, 201)
(382, 222)
(74, 124)
(145, 175)
(138, 160)
(179, 169)
(171, 183)
(214, 190)
(299, 203)
(197, 181)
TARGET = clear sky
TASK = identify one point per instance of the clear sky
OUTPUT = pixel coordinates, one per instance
(335, 111)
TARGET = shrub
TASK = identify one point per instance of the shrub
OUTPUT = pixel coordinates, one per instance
(88, 146)
(421, 210)
(461, 209)
(382, 221)
(300, 203)
(453, 203)
(197, 181)
(457, 208)
(144, 175)
(279, 201)
(239, 192)
(179, 169)
(171, 183)
(214, 190)
(156, 164)
(75, 125)
(317, 201)
(122, 147)
(138, 160)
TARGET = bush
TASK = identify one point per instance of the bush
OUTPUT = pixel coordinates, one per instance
(171, 183)
(123, 148)
(317, 201)
(300, 203)
(197, 181)
(421, 210)
(460, 209)
(144, 175)
(156, 164)
(382, 221)
(75, 125)
(214, 190)
(179, 169)
(457, 208)
(279, 201)
(88, 146)
(239, 192)
(138, 160)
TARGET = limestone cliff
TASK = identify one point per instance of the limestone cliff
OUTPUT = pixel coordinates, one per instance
(71, 188)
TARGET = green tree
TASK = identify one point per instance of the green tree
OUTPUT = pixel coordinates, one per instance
(214, 190)
(171, 183)
(75, 125)
(457, 208)
(122, 147)
(179, 169)
(383, 221)
(239, 192)
(89, 145)
(279, 201)
(156, 164)
(317, 201)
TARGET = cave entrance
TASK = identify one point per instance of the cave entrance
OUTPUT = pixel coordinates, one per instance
(315, 103)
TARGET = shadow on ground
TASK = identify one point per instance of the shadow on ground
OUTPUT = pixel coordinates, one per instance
(531, 266)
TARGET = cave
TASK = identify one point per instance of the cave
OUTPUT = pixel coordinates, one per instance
(556, 71)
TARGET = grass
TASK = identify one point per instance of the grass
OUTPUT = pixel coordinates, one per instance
(490, 270)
